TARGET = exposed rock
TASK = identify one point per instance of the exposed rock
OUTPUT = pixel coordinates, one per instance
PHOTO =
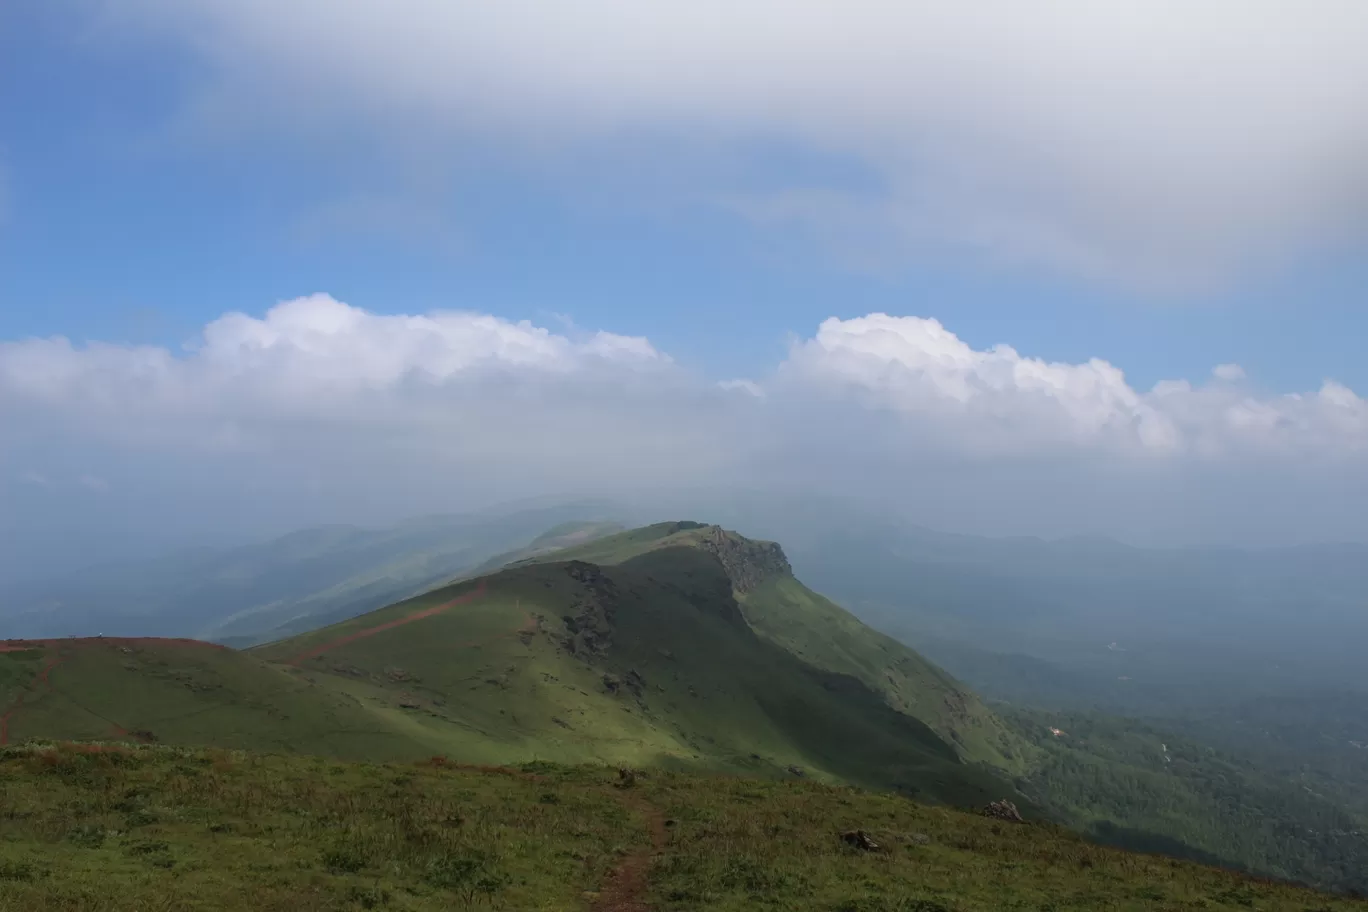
(589, 625)
(611, 682)
(747, 563)
(860, 840)
(1003, 810)
(797, 771)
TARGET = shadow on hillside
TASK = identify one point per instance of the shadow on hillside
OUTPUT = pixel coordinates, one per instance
(1136, 840)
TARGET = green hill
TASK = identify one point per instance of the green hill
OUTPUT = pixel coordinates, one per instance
(90, 827)
(647, 656)
(664, 655)
(183, 692)
(785, 612)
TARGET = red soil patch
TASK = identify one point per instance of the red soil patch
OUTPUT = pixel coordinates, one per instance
(389, 625)
(75, 747)
(626, 887)
(443, 762)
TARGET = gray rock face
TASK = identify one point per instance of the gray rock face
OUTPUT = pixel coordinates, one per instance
(747, 563)
(589, 624)
(1003, 810)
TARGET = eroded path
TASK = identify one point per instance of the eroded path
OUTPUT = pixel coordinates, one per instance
(626, 887)
(329, 646)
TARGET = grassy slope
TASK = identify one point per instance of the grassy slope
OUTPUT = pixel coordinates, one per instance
(820, 631)
(158, 828)
(784, 611)
(496, 674)
(684, 682)
(183, 692)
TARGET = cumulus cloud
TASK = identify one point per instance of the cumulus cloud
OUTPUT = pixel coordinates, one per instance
(315, 360)
(308, 356)
(452, 390)
(1000, 399)
(1229, 372)
(1155, 141)
(321, 410)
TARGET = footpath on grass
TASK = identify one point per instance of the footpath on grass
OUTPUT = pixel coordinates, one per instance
(422, 614)
(626, 887)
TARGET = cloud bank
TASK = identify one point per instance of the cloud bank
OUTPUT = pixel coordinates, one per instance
(1158, 142)
(318, 409)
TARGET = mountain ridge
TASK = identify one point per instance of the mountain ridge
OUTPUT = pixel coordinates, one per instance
(637, 647)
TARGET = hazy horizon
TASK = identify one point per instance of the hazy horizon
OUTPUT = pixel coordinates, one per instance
(1097, 271)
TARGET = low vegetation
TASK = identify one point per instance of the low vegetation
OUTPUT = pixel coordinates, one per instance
(112, 828)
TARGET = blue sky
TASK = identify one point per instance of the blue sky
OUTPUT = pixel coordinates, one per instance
(117, 231)
(166, 164)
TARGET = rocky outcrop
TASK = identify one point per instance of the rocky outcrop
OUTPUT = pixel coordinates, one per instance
(589, 622)
(861, 840)
(747, 563)
(1003, 810)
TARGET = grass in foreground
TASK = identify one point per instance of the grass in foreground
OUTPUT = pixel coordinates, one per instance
(108, 827)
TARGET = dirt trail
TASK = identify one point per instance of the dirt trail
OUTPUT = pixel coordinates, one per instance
(39, 680)
(390, 625)
(626, 886)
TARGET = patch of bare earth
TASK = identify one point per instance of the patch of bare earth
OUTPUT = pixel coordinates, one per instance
(626, 887)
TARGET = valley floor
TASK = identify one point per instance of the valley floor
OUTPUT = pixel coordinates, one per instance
(113, 827)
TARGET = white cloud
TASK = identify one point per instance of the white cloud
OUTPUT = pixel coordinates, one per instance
(308, 356)
(31, 477)
(315, 362)
(1160, 141)
(749, 387)
(1009, 404)
(320, 409)
(1228, 372)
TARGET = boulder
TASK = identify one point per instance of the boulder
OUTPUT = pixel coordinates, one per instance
(1003, 810)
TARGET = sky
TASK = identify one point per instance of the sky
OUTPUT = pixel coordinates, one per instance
(1046, 268)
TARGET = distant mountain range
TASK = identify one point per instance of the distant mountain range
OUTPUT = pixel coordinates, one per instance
(297, 582)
